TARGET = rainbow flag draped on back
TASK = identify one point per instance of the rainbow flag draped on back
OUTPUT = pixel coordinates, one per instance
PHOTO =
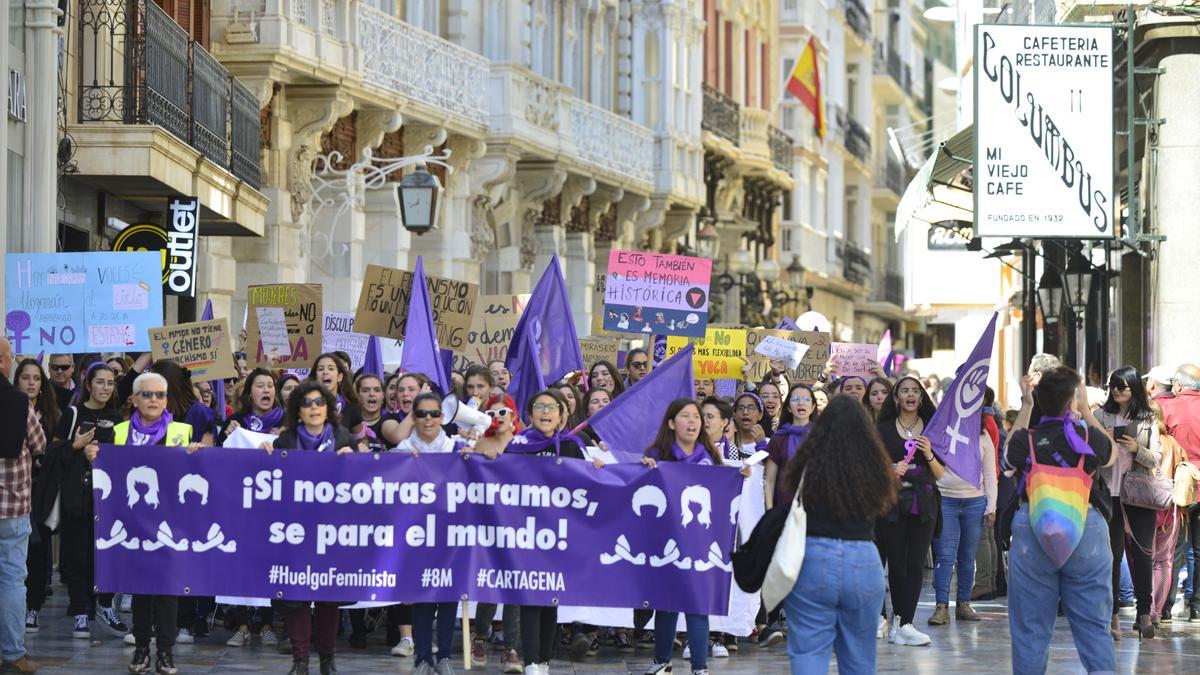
(1058, 503)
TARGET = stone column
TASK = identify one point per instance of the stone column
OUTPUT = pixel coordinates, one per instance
(216, 271)
(385, 242)
(41, 132)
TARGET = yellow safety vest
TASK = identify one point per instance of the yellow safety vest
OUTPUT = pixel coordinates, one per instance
(178, 434)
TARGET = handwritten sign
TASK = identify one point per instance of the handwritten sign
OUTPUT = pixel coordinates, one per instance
(202, 347)
(721, 354)
(272, 330)
(599, 282)
(301, 305)
(598, 349)
(854, 358)
(73, 303)
(811, 364)
(656, 293)
(781, 350)
(339, 336)
(383, 306)
(492, 328)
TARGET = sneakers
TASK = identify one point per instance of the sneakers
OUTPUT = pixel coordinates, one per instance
(511, 663)
(579, 646)
(185, 637)
(770, 636)
(537, 669)
(882, 631)
(478, 653)
(444, 667)
(239, 639)
(165, 663)
(907, 635)
(109, 619)
(593, 647)
(130, 640)
(31, 621)
(687, 653)
(140, 663)
(498, 640)
(405, 648)
(941, 615)
(964, 612)
(895, 626)
(423, 668)
(718, 649)
(731, 642)
(700, 671)
(269, 639)
(622, 642)
(1194, 615)
(81, 632)
(646, 641)
(659, 669)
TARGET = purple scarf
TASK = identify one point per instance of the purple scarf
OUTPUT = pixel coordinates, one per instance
(320, 443)
(1074, 440)
(699, 454)
(795, 436)
(142, 434)
(263, 423)
(341, 403)
(533, 442)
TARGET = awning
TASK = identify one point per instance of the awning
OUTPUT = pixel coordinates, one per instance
(940, 192)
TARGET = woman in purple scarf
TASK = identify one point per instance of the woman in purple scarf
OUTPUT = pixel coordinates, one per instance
(257, 407)
(793, 429)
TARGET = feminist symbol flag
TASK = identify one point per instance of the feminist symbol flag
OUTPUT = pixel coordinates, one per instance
(544, 346)
(953, 431)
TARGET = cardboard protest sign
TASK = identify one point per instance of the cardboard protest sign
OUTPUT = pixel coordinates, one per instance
(492, 328)
(599, 283)
(383, 306)
(339, 336)
(599, 349)
(656, 293)
(301, 305)
(72, 303)
(782, 350)
(811, 364)
(203, 347)
(721, 354)
(854, 358)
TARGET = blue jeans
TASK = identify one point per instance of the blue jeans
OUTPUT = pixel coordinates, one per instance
(665, 624)
(423, 630)
(1126, 581)
(14, 546)
(834, 607)
(962, 525)
(1084, 584)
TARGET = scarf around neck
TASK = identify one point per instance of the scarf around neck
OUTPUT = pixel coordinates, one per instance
(438, 444)
(321, 443)
(534, 442)
(796, 433)
(698, 456)
(141, 433)
(263, 423)
(1074, 440)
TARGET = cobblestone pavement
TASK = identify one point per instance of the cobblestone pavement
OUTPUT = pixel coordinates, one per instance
(957, 648)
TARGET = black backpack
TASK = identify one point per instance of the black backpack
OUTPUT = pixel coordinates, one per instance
(751, 560)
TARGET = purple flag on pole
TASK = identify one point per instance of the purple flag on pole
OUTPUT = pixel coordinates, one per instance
(885, 352)
(954, 428)
(421, 352)
(544, 341)
(373, 359)
(628, 424)
(447, 362)
(218, 386)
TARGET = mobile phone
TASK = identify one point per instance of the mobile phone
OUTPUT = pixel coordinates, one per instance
(1118, 431)
(85, 427)
(757, 458)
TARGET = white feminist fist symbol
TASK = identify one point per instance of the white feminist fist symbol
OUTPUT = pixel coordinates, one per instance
(968, 399)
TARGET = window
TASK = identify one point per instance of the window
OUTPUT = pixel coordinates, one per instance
(651, 84)
(787, 213)
(852, 90)
(787, 117)
(852, 213)
(788, 64)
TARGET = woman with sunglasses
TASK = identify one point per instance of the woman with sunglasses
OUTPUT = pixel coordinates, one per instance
(1127, 415)
(800, 411)
(152, 423)
(637, 365)
(311, 425)
(603, 375)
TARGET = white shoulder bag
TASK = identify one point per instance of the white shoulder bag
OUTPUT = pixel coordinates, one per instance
(785, 565)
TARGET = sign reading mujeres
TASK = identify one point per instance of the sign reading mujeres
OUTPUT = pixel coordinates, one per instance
(1043, 131)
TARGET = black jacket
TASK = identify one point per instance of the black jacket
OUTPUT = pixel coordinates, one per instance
(14, 414)
(288, 440)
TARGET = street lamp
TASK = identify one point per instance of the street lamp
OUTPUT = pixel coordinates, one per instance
(1078, 276)
(1050, 292)
(420, 193)
(795, 273)
(768, 270)
(707, 239)
(741, 262)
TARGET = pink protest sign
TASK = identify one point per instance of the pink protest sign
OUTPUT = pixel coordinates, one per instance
(656, 293)
(853, 358)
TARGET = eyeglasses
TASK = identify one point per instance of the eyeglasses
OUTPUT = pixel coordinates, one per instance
(204, 391)
(426, 414)
(59, 367)
(1118, 386)
(770, 397)
(501, 413)
(147, 395)
(544, 407)
(907, 390)
(313, 402)
(640, 365)
(746, 409)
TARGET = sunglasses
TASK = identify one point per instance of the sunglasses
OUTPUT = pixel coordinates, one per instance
(501, 413)
(426, 414)
(147, 395)
(1118, 386)
(60, 368)
(640, 365)
(313, 402)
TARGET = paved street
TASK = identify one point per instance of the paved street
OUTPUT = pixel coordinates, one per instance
(957, 648)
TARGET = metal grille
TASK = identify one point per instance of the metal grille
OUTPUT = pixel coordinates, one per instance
(245, 155)
(210, 106)
(164, 63)
(721, 116)
(781, 149)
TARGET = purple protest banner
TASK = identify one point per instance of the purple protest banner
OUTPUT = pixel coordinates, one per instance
(392, 527)
(953, 431)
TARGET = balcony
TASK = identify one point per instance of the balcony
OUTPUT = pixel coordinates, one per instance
(893, 289)
(781, 149)
(858, 19)
(857, 140)
(890, 176)
(721, 117)
(893, 73)
(856, 264)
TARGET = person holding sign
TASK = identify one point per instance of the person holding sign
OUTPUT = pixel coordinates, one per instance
(311, 424)
(151, 424)
(906, 533)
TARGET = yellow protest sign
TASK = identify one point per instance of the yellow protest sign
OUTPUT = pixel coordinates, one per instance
(719, 355)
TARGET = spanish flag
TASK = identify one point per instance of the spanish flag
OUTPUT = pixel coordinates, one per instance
(805, 84)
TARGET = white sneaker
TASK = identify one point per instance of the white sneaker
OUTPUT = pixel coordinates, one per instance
(31, 621)
(185, 637)
(132, 641)
(895, 626)
(718, 649)
(404, 647)
(909, 636)
(882, 631)
(238, 639)
(81, 632)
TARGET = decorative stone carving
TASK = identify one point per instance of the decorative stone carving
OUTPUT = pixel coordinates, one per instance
(483, 234)
(372, 125)
(600, 200)
(541, 103)
(529, 242)
(418, 136)
(574, 190)
(313, 111)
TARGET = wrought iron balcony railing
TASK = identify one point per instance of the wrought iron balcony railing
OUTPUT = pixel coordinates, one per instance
(137, 66)
(856, 264)
(858, 19)
(721, 116)
(781, 149)
(891, 175)
(886, 59)
(858, 140)
(893, 288)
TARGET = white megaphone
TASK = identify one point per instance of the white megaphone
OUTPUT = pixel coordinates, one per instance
(454, 410)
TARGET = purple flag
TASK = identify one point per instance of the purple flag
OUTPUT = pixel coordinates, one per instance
(218, 386)
(628, 424)
(447, 362)
(885, 352)
(954, 428)
(421, 351)
(373, 359)
(544, 341)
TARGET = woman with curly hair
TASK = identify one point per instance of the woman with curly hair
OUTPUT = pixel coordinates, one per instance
(843, 476)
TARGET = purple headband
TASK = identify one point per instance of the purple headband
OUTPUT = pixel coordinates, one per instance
(757, 400)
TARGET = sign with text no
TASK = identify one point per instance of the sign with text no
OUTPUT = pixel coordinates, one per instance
(721, 354)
